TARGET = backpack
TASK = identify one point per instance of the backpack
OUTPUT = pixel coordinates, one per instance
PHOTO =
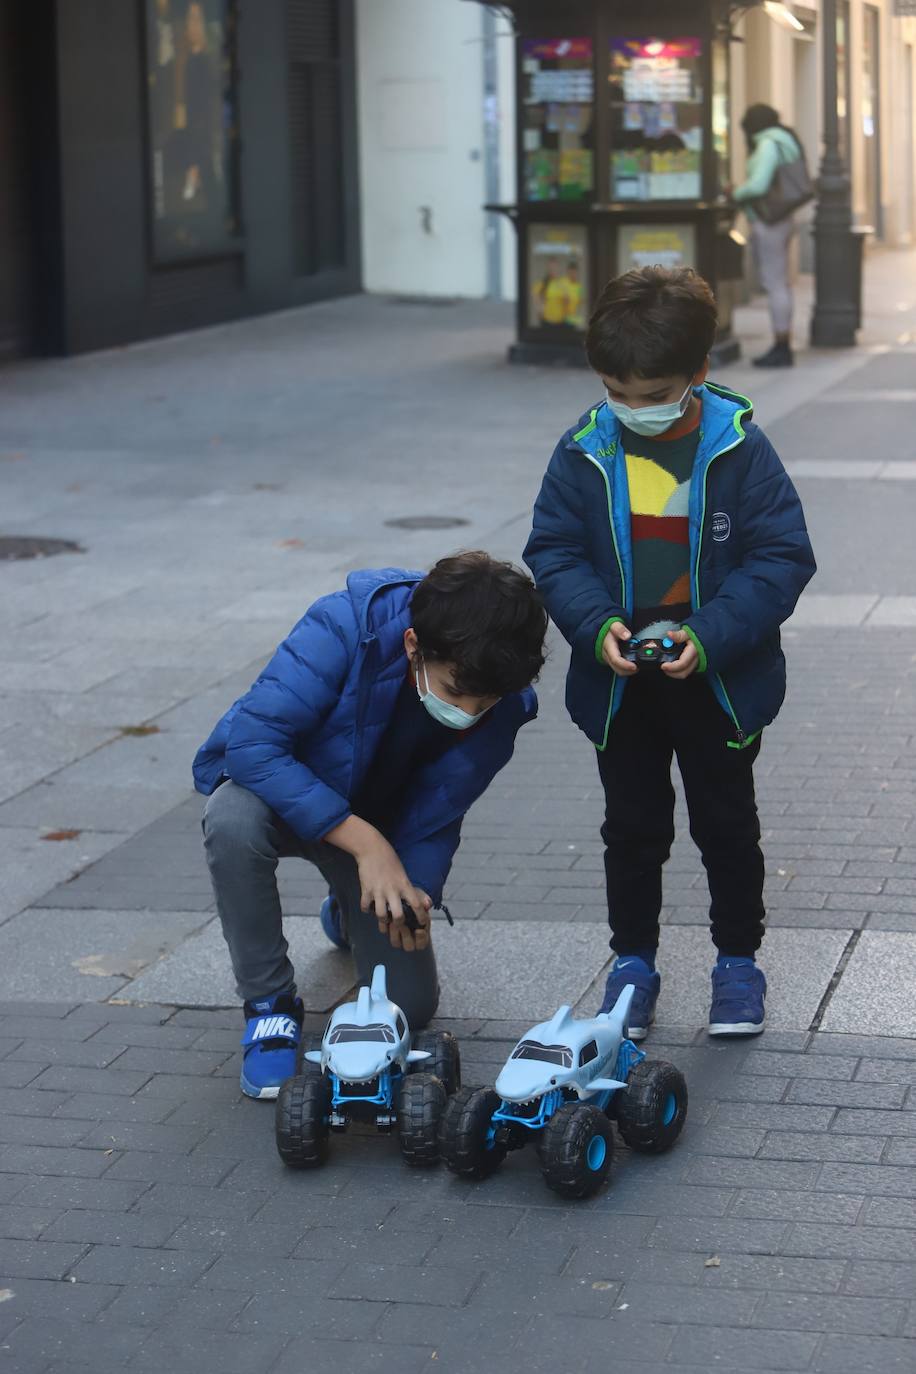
(790, 189)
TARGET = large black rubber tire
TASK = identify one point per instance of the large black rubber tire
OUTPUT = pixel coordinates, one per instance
(421, 1103)
(309, 1041)
(301, 1122)
(463, 1133)
(652, 1110)
(444, 1060)
(576, 1150)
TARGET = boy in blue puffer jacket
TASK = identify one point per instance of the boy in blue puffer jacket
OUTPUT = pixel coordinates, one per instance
(665, 511)
(383, 716)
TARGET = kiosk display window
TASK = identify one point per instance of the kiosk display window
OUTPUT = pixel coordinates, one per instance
(558, 94)
(558, 288)
(656, 245)
(656, 95)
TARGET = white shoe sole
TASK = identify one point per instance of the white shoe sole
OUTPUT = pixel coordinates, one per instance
(735, 1027)
(261, 1094)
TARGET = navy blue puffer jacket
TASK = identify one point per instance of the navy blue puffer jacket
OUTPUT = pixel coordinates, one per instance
(750, 558)
(303, 736)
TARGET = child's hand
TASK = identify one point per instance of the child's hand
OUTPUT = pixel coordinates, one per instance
(682, 667)
(618, 633)
(385, 888)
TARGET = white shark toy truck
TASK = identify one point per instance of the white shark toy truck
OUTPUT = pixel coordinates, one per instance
(561, 1086)
(367, 1069)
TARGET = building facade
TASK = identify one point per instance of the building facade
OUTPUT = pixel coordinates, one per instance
(166, 164)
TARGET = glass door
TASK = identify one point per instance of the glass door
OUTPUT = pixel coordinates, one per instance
(871, 117)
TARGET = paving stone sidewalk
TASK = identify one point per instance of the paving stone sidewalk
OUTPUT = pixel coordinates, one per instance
(146, 1222)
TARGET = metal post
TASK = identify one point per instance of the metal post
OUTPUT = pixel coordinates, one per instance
(837, 276)
(491, 151)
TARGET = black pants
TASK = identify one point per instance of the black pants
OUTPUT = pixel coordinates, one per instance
(657, 719)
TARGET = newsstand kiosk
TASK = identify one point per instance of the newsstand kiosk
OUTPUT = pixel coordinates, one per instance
(622, 158)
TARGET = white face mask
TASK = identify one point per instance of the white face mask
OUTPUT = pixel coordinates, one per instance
(651, 421)
(445, 712)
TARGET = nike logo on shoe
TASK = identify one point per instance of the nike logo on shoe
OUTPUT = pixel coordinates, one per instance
(270, 1027)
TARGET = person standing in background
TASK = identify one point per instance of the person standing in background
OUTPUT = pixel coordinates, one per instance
(770, 146)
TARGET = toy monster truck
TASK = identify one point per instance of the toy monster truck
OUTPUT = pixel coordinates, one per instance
(561, 1086)
(367, 1070)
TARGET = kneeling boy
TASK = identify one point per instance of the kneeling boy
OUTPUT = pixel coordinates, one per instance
(383, 716)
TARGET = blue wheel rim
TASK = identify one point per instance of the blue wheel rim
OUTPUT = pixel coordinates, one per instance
(596, 1153)
(669, 1109)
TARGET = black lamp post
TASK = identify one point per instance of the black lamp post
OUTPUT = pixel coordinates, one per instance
(837, 247)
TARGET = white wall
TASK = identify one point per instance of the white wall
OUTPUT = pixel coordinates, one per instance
(420, 97)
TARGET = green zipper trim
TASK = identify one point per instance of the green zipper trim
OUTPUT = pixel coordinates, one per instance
(742, 741)
(587, 429)
(623, 581)
(701, 652)
(742, 744)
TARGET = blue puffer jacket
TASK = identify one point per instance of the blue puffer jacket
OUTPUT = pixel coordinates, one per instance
(303, 736)
(750, 558)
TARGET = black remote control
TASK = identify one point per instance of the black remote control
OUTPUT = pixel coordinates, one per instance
(651, 653)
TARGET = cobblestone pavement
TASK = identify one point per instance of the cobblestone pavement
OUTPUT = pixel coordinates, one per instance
(146, 1221)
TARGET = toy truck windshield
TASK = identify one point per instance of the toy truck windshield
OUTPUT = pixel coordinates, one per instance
(342, 1035)
(548, 1054)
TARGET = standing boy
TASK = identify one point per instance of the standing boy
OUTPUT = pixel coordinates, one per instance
(666, 511)
(380, 719)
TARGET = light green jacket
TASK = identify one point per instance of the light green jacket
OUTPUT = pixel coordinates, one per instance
(772, 148)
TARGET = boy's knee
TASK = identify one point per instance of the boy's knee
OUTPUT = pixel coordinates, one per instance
(233, 818)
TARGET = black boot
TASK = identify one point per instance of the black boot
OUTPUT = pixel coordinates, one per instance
(780, 355)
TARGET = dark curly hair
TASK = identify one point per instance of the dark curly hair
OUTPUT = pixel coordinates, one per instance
(486, 618)
(652, 322)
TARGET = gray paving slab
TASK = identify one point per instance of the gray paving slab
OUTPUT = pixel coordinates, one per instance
(833, 610)
(876, 993)
(89, 956)
(198, 973)
(31, 865)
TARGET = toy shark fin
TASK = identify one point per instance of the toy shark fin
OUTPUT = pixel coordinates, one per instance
(414, 1056)
(379, 986)
(619, 1013)
(313, 1056)
(604, 1085)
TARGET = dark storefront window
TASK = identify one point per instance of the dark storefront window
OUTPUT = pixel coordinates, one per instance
(558, 93)
(656, 92)
(193, 127)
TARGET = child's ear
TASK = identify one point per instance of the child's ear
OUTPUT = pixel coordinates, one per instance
(700, 377)
(410, 643)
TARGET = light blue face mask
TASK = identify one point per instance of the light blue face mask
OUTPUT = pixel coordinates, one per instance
(444, 711)
(650, 421)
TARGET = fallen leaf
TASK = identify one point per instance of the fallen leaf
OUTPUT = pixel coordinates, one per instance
(267, 486)
(62, 835)
(12, 457)
(138, 731)
(290, 544)
(712, 1263)
(601, 1285)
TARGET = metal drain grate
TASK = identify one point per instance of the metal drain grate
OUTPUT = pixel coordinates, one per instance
(426, 522)
(17, 546)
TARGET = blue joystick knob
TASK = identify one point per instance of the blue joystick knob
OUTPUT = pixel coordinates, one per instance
(667, 643)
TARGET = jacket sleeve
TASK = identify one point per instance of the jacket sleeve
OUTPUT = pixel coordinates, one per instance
(428, 862)
(577, 599)
(777, 563)
(761, 170)
(297, 690)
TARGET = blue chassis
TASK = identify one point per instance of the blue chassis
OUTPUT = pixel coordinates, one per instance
(628, 1056)
(387, 1083)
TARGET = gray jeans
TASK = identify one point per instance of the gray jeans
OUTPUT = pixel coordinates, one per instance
(243, 840)
(771, 251)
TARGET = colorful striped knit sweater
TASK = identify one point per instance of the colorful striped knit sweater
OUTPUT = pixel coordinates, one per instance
(658, 471)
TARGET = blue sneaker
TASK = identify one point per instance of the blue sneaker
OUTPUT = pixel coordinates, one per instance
(273, 1027)
(738, 991)
(626, 969)
(331, 922)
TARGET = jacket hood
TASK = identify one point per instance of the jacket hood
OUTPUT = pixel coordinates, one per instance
(780, 136)
(363, 585)
(725, 414)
